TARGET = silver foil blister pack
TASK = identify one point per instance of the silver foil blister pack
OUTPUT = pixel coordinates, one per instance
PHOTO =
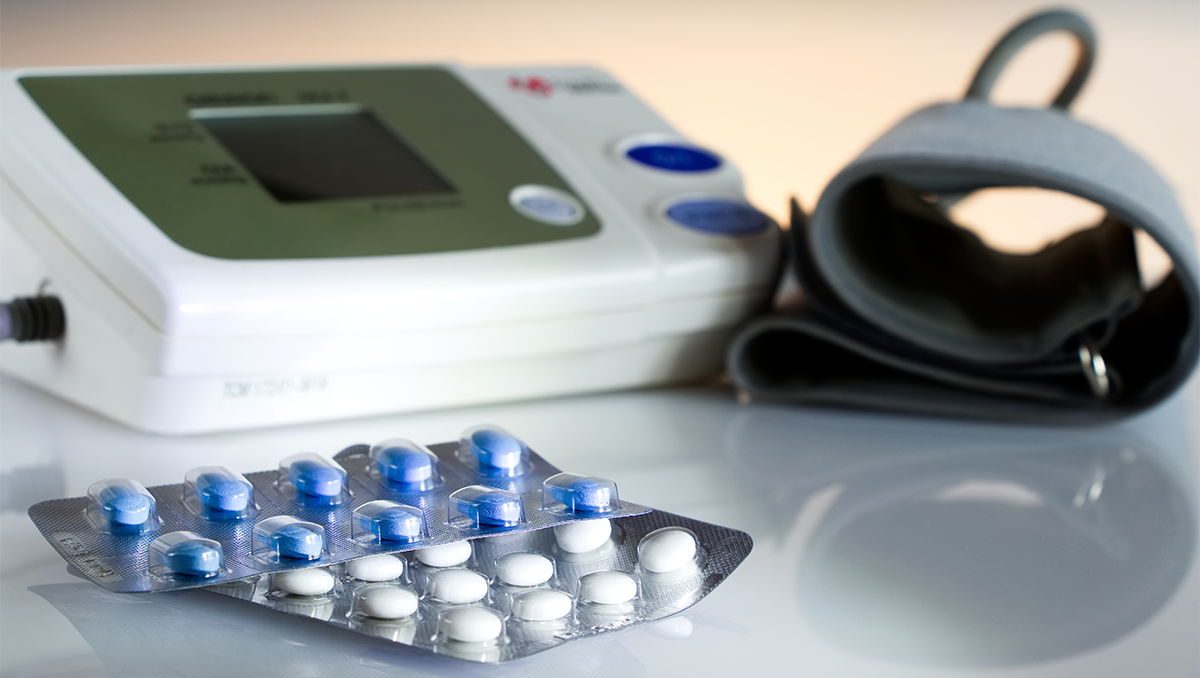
(480, 550)
(506, 597)
(221, 526)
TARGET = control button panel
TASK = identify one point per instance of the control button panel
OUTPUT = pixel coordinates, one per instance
(674, 157)
(718, 216)
(546, 204)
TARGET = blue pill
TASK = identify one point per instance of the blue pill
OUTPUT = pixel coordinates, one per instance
(406, 465)
(497, 508)
(496, 448)
(395, 524)
(297, 540)
(389, 521)
(223, 493)
(125, 506)
(194, 558)
(185, 553)
(314, 477)
(584, 494)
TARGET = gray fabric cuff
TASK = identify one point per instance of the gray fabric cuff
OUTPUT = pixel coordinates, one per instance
(904, 310)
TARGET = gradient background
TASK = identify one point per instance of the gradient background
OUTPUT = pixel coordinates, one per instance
(790, 91)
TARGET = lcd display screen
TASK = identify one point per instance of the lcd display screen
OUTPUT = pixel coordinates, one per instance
(321, 154)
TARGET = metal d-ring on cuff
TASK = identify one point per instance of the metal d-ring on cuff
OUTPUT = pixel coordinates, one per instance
(1094, 369)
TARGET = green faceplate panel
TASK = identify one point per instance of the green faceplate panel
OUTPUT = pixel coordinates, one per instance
(152, 137)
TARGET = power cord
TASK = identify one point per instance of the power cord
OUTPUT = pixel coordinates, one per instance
(40, 318)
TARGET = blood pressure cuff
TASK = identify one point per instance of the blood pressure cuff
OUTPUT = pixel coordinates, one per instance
(905, 310)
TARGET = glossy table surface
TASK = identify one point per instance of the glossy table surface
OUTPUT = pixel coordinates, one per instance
(884, 546)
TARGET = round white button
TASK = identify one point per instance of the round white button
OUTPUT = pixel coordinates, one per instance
(547, 205)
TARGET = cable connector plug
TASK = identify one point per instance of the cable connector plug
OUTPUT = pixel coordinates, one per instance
(32, 319)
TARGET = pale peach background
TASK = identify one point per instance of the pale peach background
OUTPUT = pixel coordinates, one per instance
(790, 91)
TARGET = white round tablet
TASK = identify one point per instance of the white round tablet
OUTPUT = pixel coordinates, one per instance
(666, 549)
(314, 581)
(470, 624)
(541, 605)
(446, 555)
(387, 602)
(457, 587)
(376, 568)
(610, 587)
(583, 536)
(524, 569)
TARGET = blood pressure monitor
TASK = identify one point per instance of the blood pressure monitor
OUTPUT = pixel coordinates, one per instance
(248, 246)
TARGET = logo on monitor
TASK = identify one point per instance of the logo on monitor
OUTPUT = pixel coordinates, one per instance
(533, 85)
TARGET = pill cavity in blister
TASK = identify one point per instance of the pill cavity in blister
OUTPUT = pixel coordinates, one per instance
(287, 538)
(608, 599)
(312, 480)
(385, 601)
(185, 554)
(391, 497)
(584, 537)
(470, 633)
(405, 466)
(303, 592)
(456, 586)
(121, 506)
(315, 581)
(493, 452)
(433, 559)
(608, 587)
(383, 567)
(504, 597)
(579, 494)
(445, 555)
(668, 550)
(481, 506)
(541, 605)
(523, 569)
(540, 616)
(384, 521)
(219, 493)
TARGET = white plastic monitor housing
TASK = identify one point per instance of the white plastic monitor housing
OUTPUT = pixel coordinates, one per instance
(167, 340)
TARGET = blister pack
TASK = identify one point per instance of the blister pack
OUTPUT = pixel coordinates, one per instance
(221, 526)
(499, 598)
(479, 550)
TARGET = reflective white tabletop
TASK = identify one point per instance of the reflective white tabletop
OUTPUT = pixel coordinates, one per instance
(884, 546)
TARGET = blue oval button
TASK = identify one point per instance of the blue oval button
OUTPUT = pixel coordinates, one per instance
(724, 217)
(674, 158)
